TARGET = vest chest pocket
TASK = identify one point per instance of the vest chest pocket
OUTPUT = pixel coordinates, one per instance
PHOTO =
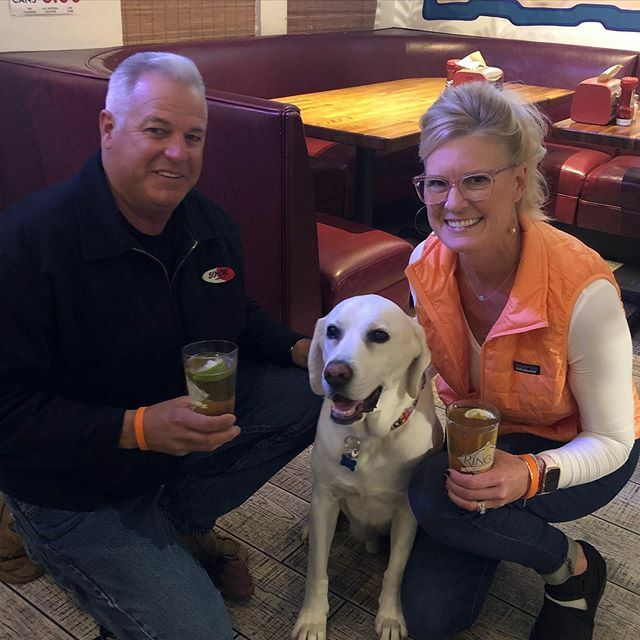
(529, 388)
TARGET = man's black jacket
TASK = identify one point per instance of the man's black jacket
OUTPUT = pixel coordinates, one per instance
(91, 325)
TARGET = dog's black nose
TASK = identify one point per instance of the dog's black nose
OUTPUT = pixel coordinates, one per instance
(338, 373)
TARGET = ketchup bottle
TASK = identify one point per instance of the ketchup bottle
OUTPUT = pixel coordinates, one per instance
(452, 67)
(624, 113)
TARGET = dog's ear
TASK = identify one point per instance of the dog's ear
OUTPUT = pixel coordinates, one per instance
(316, 358)
(420, 362)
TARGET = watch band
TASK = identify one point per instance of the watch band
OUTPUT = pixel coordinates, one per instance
(550, 477)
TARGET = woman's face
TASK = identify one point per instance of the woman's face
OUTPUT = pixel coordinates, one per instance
(463, 225)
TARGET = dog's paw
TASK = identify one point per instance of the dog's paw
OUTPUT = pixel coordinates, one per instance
(310, 626)
(390, 624)
(304, 536)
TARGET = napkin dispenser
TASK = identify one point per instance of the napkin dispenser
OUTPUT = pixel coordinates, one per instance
(485, 74)
(595, 99)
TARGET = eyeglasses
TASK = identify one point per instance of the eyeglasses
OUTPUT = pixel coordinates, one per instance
(475, 187)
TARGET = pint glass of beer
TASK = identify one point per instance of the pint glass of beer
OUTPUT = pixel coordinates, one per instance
(210, 368)
(472, 431)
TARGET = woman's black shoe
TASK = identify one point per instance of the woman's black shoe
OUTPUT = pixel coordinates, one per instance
(556, 622)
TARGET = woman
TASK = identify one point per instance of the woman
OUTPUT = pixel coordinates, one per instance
(528, 318)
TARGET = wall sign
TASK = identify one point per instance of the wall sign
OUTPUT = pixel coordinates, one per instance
(623, 15)
(21, 8)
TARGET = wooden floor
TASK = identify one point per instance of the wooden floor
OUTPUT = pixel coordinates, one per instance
(270, 523)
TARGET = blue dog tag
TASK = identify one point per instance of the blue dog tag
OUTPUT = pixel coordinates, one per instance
(349, 462)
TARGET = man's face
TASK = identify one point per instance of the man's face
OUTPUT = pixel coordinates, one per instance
(152, 155)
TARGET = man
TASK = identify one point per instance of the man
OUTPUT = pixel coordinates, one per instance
(102, 283)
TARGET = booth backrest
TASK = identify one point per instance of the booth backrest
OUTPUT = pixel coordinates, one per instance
(275, 66)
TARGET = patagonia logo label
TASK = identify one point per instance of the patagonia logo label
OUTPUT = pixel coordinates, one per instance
(217, 275)
(523, 367)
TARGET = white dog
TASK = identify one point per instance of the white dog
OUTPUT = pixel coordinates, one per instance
(368, 359)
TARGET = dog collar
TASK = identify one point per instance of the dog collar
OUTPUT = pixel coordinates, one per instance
(404, 416)
(351, 452)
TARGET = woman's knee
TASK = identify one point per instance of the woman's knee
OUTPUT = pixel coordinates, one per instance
(432, 618)
(442, 589)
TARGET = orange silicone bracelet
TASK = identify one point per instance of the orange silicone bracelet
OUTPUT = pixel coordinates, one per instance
(138, 425)
(534, 475)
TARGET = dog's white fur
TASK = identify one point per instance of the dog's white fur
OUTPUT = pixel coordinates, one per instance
(374, 495)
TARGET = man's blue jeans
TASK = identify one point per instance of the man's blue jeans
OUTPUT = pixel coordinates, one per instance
(457, 552)
(125, 563)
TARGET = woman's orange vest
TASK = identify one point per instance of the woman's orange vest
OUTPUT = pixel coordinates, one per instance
(524, 356)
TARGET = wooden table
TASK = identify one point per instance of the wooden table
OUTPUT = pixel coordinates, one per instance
(384, 117)
(609, 134)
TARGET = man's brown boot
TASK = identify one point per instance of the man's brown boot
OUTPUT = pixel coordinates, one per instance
(225, 560)
(15, 565)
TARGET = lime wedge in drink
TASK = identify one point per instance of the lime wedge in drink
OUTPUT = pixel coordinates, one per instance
(478, 414)
(212, 369)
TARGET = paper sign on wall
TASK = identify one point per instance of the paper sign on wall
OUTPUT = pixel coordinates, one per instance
(21, 8)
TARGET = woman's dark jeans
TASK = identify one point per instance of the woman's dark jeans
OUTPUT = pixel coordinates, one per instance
(457, 552)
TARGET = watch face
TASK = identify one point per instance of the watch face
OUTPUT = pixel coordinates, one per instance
(551, 479)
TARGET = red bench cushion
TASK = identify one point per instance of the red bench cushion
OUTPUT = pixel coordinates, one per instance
(610, 198)
(356, 259)
(565, 168)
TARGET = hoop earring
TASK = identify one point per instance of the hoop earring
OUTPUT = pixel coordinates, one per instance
(422, 232)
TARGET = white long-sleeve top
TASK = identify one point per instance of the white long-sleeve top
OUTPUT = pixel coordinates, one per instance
(600, 364)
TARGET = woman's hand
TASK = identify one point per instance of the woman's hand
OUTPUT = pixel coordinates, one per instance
(173, 427)
(505, 482)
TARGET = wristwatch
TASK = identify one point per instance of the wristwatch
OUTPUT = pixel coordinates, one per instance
(549, 476)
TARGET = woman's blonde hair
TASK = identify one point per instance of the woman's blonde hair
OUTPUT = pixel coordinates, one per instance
(480, 108)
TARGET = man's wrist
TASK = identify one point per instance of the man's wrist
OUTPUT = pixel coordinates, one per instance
(127, 434)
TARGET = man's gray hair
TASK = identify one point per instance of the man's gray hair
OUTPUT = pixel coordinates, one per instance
(168, 65)
(479, 108)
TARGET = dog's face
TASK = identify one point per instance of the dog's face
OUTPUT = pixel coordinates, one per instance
(364, 347)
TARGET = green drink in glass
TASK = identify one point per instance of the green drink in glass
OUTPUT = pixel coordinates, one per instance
(210, 368)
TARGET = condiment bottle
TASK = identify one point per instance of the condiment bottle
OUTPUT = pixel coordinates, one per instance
(624, 112)
(452, 67)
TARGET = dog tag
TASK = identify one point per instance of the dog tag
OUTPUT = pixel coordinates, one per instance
(352, 447)
(349, 458)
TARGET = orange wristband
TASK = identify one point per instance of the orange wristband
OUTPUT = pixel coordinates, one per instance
(138, 425)
(534, 475)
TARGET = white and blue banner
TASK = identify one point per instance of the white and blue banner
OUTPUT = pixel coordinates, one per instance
(623, 15)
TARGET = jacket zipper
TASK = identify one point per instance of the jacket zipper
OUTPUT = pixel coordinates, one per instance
(170, 281)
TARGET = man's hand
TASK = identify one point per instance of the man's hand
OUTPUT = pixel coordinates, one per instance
(300, 352)
(173, 427)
